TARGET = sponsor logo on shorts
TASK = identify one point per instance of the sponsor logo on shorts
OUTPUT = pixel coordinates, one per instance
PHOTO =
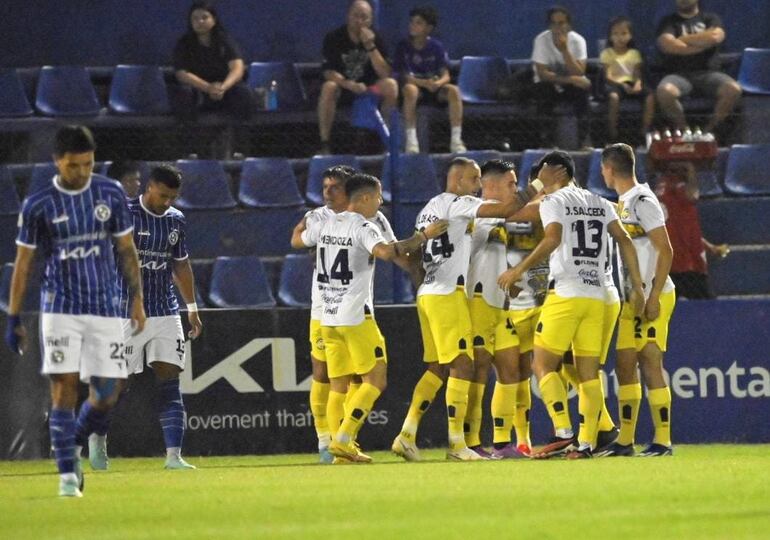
(57, 357)
(319, 344)
(57, 341)
(102, 212)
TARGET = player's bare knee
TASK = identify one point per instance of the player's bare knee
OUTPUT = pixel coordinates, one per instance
(462, 367)
(320, 372)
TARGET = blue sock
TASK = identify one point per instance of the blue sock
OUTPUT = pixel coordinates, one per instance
(90, 420)
(61, 424)
(172, 413)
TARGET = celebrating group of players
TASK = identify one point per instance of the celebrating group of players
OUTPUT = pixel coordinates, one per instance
(518, 280)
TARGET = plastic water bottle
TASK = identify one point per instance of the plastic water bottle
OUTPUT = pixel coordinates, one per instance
(697, 135)
(272, 96)
(667, 135)
(687, 135)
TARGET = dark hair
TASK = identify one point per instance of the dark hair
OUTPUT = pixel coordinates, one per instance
(74, 140)
(559, 157)
(360, 182)
(119, 169)
(534, 171)
(557, 9)
(218, 32)
(340, 173)
(428, 14)
(497, 166)
(621, 157)
(167, 175)
(620, 20)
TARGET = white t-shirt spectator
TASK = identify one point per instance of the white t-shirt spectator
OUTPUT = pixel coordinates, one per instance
(545, 52)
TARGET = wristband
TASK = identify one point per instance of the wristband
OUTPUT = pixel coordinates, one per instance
(537, 184)
(193, 307)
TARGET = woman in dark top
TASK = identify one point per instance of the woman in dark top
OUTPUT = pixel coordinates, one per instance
(209, 65)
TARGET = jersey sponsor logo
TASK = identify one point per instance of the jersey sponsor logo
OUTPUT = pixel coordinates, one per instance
(173, 237)
(284, 367)
(60, 219)
(154, 265)
(79, 252)
(336, 240)
(143, 233)
(102, 212)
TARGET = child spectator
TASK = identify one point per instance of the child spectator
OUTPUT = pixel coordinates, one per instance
(623, 72)
(421, 63)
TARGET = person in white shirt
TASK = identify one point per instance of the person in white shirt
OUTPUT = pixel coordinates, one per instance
(559, 57)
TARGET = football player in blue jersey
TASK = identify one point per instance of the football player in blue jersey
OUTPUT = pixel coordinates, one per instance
(75, 221)
(160, 237)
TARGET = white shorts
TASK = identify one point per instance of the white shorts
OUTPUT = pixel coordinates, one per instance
(85, 344)
(162, 340)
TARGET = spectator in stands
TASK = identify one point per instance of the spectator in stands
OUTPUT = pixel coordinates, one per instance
(622, 64)
(689, 41)
(559, 56)
(422, 64)
(677, 190)
(354, 62)
(209, 67)
(128, 174)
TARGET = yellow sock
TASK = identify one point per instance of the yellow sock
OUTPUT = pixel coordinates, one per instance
(629, 400)
(605, 420)
(352, 389)
(521, 414)
(568, 374)
(555, 399)
(423, 395)
(472, 424)
(335, 411)
(660, 407)
(503, 407)
(589, 406)
(457, 406)
(319, 396)
(360, 406)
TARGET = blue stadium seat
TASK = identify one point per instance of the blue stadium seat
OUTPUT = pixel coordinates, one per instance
(736, 220)
(13, 98)
(746, 173)
(316, 167)
(480, 77)
(9, 197)
(528, 158)
(138, 90)
(268, 182)
(709, 181)
(754, 74)
(595, 181)
(42, 173)
(66, 91)
(240, 282)
(291, 92)
(202, 274)
(391, 285)
(403, 217)
(417, 178)
(296, 275)
(729, 275)
(205, 185)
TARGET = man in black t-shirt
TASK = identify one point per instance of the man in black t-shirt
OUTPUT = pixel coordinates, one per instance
(354, 63)
(689, 42)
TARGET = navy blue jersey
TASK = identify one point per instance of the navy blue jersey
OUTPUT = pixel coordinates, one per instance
(160, 240)
(74, 230)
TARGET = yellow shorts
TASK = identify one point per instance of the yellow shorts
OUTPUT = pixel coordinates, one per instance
(492, 327)
(578, 322)
(353, 349)
(317, 349)
(636, 332)
(525, 321)
(611, 312)
(445, 324)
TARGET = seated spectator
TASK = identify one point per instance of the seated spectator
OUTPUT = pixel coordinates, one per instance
(422, 65)
(677, 190)
(622, 64)
(689, 41)
(354, 62)
(128, 174)
(209, 66)
(559, 56)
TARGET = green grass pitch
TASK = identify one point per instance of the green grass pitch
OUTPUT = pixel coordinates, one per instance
(702, 492)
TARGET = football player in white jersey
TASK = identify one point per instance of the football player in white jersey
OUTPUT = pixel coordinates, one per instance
(442, 305)
(346, 245)
(642, 338)
(494, 336)
(576, 223)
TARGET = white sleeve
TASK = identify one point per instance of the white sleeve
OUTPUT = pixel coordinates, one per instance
(611, 213)
(464, 207)
(539, 54)
(649, 212)
(550, 211)
(578, 46)
(311, 235)
(385, 227)
(369, 235)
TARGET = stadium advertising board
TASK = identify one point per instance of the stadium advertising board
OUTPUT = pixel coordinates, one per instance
(246, 386)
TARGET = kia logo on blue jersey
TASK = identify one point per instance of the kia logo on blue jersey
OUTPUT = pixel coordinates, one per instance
(79, 252)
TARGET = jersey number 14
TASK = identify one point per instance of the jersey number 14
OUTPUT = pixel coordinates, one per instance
(340, 267)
